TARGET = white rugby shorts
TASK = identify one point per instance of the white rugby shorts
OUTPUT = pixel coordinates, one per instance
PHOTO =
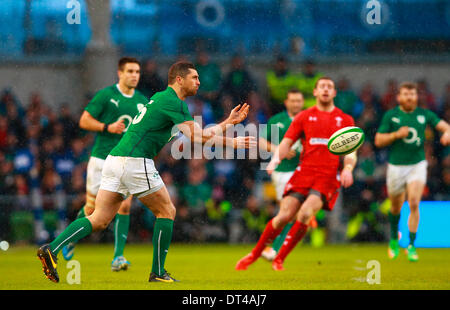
(398, 176)
(94, 175)
(279, 180)
(130, 176)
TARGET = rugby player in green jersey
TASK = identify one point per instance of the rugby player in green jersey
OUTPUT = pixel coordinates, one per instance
(109, 114)
(403, 130)
(129, 168)
(281, 122)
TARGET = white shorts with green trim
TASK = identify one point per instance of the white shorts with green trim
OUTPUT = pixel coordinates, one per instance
(279, 180)
(94, 175)
(130, 176)
(398, 176)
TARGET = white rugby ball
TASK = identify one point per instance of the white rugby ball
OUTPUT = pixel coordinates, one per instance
(346, 140)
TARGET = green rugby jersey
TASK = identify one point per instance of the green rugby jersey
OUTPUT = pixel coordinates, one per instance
(409, 150)
(153, 127)
(108, 106)
(281, 122)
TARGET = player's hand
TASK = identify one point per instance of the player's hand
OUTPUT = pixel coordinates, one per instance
(346, 178)
(247, 142)
(445, 139)
(291, 154)
(403, 132)
(117, 127)
(238, 114)
(272, 165)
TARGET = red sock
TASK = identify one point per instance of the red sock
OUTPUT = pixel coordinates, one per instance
(267, 237)
(295, 234)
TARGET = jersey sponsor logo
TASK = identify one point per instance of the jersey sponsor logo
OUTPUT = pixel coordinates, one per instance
(421, 119)
(312, 119)
(115, 102)
(414, 137)
(396, 120)
(339, 121)
(140, 106)
(318, 141)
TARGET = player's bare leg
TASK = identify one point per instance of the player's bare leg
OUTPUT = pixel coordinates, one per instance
(397, 201)
(308, 210)
(288, 208)
(162, 207)
(106, 206)
(414, 194)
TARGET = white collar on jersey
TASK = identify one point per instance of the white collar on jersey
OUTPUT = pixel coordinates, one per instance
(125, 95)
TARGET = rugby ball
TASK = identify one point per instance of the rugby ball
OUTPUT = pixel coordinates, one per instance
(346, 140)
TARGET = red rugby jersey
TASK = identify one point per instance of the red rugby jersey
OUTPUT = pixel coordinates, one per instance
(314, 127)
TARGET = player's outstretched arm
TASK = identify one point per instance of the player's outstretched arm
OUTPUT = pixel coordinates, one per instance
(444, 127)
(88, 122)
(386, 139)
(349, 164)
(237, 115)
(280, 153)
(196, 134)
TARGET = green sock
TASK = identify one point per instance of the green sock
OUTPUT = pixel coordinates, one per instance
(77, 230)
(162, 236)
(278, 242)
(81, 213)
(412, 238)
(121, 225)
(393, 220)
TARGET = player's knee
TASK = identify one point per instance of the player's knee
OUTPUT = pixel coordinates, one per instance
(98, 223)
(305, 215)
(414, 205)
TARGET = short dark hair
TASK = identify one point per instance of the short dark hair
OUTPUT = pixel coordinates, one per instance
(322, 78)
(125, 60)
(293, 91)
(407, 85)
(180, 68)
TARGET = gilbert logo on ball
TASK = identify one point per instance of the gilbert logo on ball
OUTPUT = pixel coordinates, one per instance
(346, 140)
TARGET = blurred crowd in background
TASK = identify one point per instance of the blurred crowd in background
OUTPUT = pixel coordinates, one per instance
(44, 154)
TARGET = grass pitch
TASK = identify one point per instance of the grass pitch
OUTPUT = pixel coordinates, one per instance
(211, 267)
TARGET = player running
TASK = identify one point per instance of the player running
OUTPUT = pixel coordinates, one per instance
(109, 114)
(281, 122)
(403, 130)
(315, 183)
(129, 168)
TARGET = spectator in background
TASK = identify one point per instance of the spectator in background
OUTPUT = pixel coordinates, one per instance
(70, 126)
(346, 99)
(426, 98)
(150, 82)
(279, 81)
(210, 80)
(198, 107)
(369, 119)
(444, 111)
(307, 80)
(389, 100)
(255, 217)
(238, 82)
(197, 190)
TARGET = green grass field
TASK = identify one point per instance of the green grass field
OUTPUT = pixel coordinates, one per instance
(211, 267)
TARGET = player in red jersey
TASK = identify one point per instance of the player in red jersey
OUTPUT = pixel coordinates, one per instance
(315, 183)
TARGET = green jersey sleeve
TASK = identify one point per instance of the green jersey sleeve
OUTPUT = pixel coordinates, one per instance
(177, 111)
(96, 105)
(432, 118)
(385, 126)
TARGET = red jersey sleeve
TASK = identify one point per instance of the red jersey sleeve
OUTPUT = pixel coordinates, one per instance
(296, 128)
